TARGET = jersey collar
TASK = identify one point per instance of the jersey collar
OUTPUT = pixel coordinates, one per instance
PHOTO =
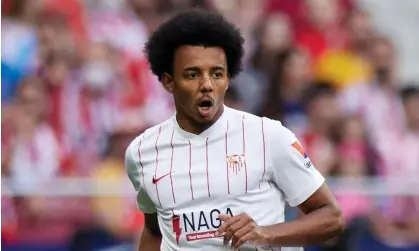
(218, 126)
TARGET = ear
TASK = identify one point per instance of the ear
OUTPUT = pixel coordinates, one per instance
(167, 81)
(228, 82)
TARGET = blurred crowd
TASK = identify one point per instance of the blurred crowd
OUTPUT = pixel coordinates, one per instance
(76, 89)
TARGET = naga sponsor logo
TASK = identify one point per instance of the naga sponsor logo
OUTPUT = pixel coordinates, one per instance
(198, 225)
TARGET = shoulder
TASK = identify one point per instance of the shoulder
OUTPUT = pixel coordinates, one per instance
(272, 129)
(146, 139)
(150, 134)
(239, 117)
(277, 133)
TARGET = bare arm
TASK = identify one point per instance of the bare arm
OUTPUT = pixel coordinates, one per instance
(303, 186)
(321, 221)
(151, 237)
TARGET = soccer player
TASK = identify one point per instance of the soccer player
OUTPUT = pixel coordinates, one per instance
(215, 178)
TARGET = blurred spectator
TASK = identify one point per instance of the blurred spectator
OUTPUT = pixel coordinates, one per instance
(116, 217)
(244, 14)
(285, 93)
(18, 44)
(273, 38)
(398, 222)
(322, 30)
(125, 30)
(296, 11)
(349, 65)
(378, 101)
(58, 78)
(112, 212)
(149, 11)
(54, 36)
(405, 142)
(120, 27)
(293, 9)
(36, 154)
(96, 103)
(231, 99)
(76, 87)
(320, 102)
(410, 96)
(34, 162)
(354, 161)
(9, 225)
(181, 5)
(73, 12)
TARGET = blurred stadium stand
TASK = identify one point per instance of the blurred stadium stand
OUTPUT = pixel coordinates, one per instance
(76, 89)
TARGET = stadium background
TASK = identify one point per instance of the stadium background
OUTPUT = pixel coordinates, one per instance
(75, 89)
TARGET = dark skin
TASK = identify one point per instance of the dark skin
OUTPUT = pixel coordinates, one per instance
(151, 235)
(202, 71)
(198, 72)
(321, 221)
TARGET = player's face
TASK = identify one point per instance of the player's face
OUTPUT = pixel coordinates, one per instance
(199, 83)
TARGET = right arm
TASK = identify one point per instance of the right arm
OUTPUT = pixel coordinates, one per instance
(151, 237)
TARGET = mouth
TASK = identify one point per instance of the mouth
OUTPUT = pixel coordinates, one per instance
(205, 106)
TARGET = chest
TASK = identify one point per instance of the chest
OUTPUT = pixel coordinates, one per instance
(181, 173)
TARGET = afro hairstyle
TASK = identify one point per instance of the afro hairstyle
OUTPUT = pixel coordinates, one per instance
(194, 27)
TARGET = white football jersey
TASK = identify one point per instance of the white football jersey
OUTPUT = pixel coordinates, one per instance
(242, 163)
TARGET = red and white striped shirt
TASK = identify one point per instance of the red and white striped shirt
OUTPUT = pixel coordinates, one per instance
(242, 163)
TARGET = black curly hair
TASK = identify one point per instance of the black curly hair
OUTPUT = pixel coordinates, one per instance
(194, 27)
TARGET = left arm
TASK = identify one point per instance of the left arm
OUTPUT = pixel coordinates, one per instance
(321, 221)
(303, 186)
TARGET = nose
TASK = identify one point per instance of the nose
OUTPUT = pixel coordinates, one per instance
(206, 85)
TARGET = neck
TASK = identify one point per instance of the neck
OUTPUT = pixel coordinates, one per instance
(188, 124)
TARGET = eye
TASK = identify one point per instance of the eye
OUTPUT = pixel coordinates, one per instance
(191, 75)
(217, 74)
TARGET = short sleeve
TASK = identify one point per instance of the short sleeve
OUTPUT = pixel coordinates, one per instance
(144, 203)
(292, 169)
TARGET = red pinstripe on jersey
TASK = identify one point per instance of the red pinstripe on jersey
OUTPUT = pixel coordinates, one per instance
(157, 164)
(171, 166)
(244, 151)
(139, 158)
(190, 167)
(208, 186)
(228, 178)
(264, 153)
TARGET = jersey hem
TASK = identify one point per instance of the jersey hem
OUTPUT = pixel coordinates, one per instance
(306, 193)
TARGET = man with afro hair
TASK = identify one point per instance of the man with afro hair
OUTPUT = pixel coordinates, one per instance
(215, 178)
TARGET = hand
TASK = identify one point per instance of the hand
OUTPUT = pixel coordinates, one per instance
(241, 229)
